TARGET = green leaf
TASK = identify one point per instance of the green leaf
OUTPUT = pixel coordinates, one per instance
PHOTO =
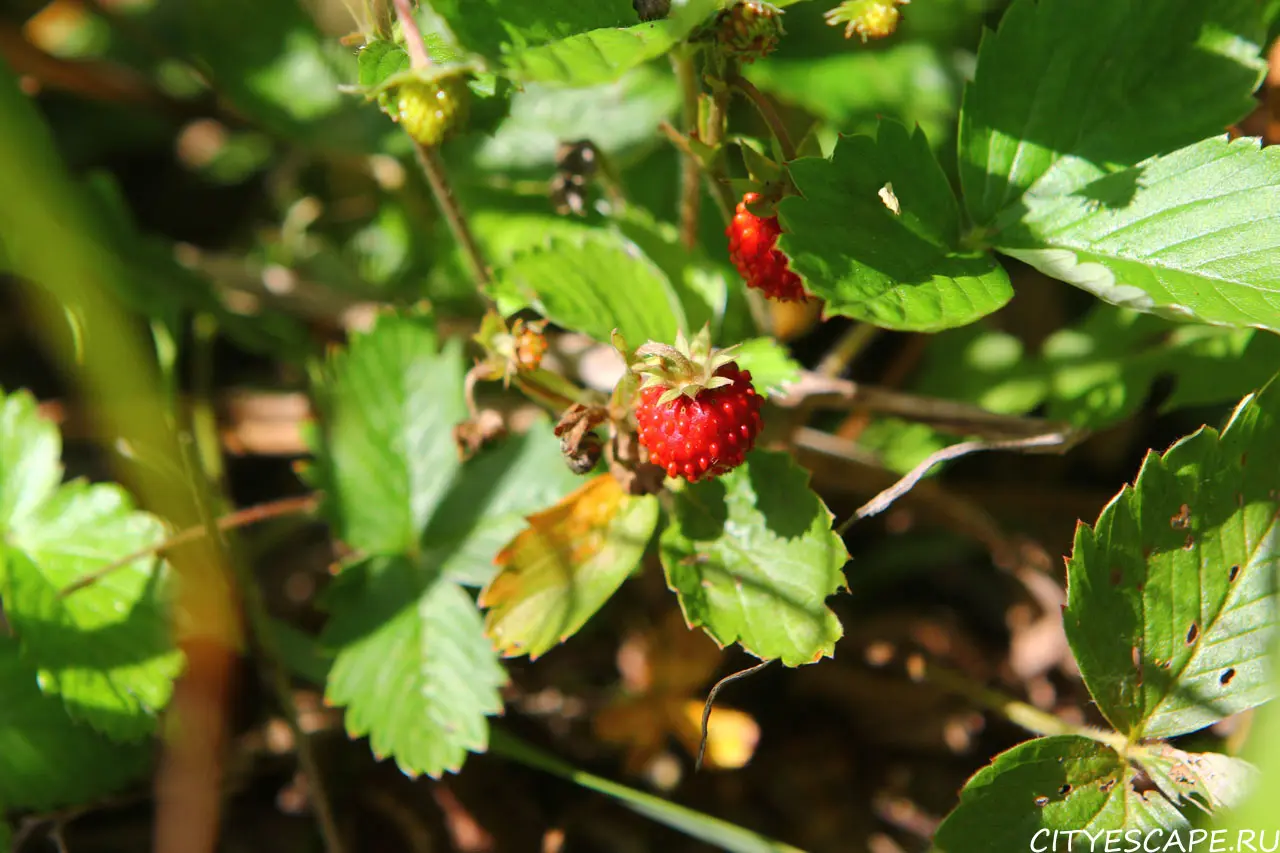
(1190, 235)
(1180, 571)
(390, 403)
(106, 650)
(1101, 370)
(1062, 783)
(1068, 90)
(912, 82)
(593, 285)
(46, 760)
(903, 270)
(753, 559)
(413, 667)
(770, 364)
(488, 503)
(569, 43)
(621, 118)
(565, 565)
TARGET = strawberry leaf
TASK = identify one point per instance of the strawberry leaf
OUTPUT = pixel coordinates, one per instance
(1190, 235)
(47, 760)
(594, 285)
(105, 650)
(1180, 567)
(1066, 91)
(903, 269)
(1049, 784)
(753, 559)
(413, 667)
(565, 565)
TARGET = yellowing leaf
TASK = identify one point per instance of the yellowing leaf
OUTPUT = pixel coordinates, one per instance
(565, 565)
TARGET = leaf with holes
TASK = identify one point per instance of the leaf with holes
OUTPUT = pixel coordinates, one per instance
(1066, 91)
(898, 264)
(753, 559)
(594, 285)
(1053, 784)
(46, 759)
(105, 650)
(413, 668)
(1191, 235)
(565, 565)
(1210, 780)
(1181, 570)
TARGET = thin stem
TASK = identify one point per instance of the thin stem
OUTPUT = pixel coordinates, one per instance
(719, 192)
(416, 47)
(690, 169)
(849, 347)
(1018, 712)
(768, 113)
(241, 518)
(433, 168)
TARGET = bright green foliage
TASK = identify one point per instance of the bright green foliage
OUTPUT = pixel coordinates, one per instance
(753, 558)
(105, 650)
(1066, 91)
(46, 759)
(1190, 235)
(899, 270)
(912, 82)
(595, 285)
(770, 365)
(1181, 569)
(1102, 370)
(1053, 783)
(414, 669)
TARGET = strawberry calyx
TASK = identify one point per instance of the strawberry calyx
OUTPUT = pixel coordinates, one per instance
(686, 369)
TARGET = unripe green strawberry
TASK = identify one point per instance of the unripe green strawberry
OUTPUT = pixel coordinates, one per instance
(430, 110)
(749, 30)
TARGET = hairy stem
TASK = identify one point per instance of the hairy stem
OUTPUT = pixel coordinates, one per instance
(433, 168)
(768, 113)
(414, 45)
(690, 169)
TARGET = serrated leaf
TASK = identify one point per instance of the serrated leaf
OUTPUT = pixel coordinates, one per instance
(753, 559)
(488, 503)
(413, 669)
(1209, 780)
(565, 565)
(912, 82)
(46, 760)
(390, 404)
(1191, 235)
(620, 118)
(594, 285)
(1062, 783)
(1068, 90)
(106, 650)
(770, 364)
(902, 270)
(1181, 570)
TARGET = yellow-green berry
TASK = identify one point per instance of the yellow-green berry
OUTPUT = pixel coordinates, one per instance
(430, 110)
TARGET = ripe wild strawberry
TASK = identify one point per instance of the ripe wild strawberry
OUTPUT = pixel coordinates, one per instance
(698, 413)
(751, 248)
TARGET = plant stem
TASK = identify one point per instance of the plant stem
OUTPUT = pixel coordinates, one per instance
(717, 122)
(414, 45)
(429, 159)
(690, 169)
(240, 518)
(1017, 712)
(850, 345)
(768, 113)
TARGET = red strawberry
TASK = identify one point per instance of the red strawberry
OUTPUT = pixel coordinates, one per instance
(751, 248)
(698, 413)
